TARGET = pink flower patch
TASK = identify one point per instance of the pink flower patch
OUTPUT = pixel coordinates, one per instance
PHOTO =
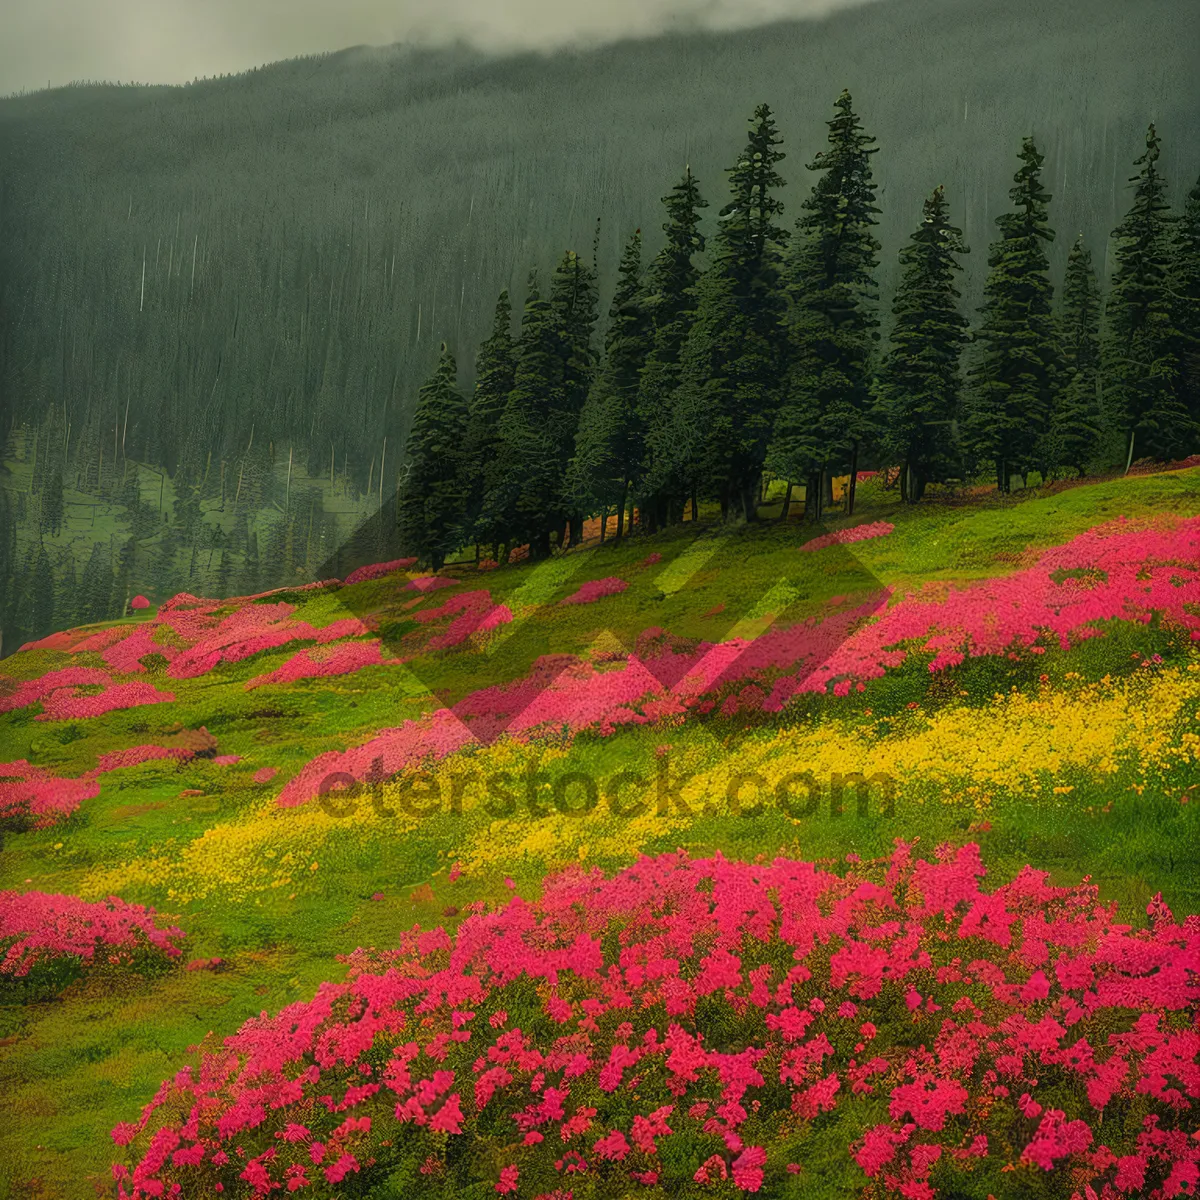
(377, 570)
(38, 926)
(323, 661)
(139, 602)
(597, 589)
(785, 939)
(30, 791)
(65, 704)
(844, 537)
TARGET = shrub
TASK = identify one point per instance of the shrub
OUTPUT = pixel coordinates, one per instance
(46, 939)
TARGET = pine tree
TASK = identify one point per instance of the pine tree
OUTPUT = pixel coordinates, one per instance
(141, 518)
(433, 504)
(37, 609)
(223, 573)
(52, 504)
(125, 581)
(527, 494)
(95, 587)
(483, 463)
(733, 359)
(169, 577)
(671, 306)
(1075, 425)
(187, 514)
(920, 381)
(1018, 374)
(9, 573)
(248, 577)
(1141, 342)
(66, 591)
(1185, 294)
(831, 322)
(610, 443)
(279, 552)
(574, 305)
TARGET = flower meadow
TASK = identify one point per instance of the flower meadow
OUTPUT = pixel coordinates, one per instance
(45, 935)
(683, 866)
(691, 1027)
(1110, 574)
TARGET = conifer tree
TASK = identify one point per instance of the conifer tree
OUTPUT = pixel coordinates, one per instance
(187, 514)
(69, 608)
(526, 494)
(610, 443)
(1185, 293)
(1141, 342)
(920, 381)
(170, 579)
(126, 578)
(1018, 373)
(248, 577)
(141, 518)
(832, 326)
(733, 359)
(670, 305)
(52, 504)
(574, 306)
(433, 503)
(483, 464)
(1075, 424)
(224, 572)
(9, 570)
(37, 615)
(95, 587)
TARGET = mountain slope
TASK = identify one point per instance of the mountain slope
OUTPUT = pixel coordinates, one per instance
(326, 222)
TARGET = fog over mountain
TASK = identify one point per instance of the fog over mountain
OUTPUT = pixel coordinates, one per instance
(52, 42)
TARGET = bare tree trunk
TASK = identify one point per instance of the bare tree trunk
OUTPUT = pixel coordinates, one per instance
(787, 502)
(853, 481)
(1129, 460)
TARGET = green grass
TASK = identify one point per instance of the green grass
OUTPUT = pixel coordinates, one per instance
(76, 1065)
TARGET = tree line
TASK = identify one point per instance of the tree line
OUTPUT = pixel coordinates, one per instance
(771, 360)
(757, 349)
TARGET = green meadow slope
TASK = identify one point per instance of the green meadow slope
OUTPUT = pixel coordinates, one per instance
(1076, 760)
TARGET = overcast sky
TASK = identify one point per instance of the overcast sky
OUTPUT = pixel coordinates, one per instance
(173, 41)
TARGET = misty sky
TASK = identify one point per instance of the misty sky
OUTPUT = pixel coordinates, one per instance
(173, 41)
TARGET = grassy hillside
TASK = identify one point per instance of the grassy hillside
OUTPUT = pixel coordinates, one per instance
(1074, 751)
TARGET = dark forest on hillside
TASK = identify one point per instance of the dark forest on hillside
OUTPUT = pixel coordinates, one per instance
(218, 303)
